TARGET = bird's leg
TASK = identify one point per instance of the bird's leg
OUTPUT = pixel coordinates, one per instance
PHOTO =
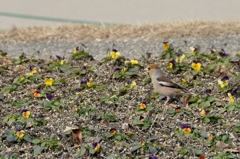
(168, 98)
(165, 105)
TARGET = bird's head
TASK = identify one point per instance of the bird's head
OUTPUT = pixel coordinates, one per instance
(152, 68)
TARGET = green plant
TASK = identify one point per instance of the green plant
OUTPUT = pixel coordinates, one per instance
(107, 116)
(51, 105)
(144, 123)
(41, 145)
(9, 89)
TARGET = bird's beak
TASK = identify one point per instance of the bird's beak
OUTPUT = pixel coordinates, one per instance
(146, 69)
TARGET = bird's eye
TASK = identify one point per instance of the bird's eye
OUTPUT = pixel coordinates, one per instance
(148, 68)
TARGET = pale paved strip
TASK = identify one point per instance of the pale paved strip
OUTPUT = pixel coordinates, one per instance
(121, 12)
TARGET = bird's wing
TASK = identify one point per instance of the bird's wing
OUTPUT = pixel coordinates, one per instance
(165, 82)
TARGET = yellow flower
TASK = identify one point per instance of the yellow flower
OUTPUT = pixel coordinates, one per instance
(97, 148)
(196, 66)
(125, 69)
(90, 84)
(26, 114)
(20, 134)
(212, 51)
(79, 149)
(172, 63)
(154, 144)
(177, 110)
(149, 55)
(114, 54)
(22, 78)
(180, 58)
(33, 71)
(203, 113)
(231, 98)
(143, 105)
(183, 81)
(223, 83)
(50, 59)
(194, 50)
(210, 136)
(142, 143)
(76, 108)
(187, 130)
(133, 84)
(166, 46)
(90, 80)
(75, 51)
(61, 62)
(36, 93)
(141, 118)
(113, 131)
(134, 62)
(48, 82)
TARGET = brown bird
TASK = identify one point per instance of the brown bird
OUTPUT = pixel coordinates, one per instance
(162, 84)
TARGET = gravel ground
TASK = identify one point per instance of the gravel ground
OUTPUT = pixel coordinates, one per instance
(131, 40)
(131, 48)
(211, 135)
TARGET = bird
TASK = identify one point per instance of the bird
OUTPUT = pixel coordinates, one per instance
(162, 84)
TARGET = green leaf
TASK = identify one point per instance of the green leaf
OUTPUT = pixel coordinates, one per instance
(4, 54)
(8, 89)
(6, 118)
(236, 128)
(15, 80)
(30, 120)
(118, 137)
(39, 122)
(222, 110)
(108, 134)
(206, 120)
(153, 150)
(167, 55)
(183, 152)
(82, 151)
(43, 144)
(36, 141)
(218, 103)
(136, 147)
(20, 104)
(2, 68)
(64, 69)
(37, 150)
(11, 138)
(198, 152)
(204, 134)
(171, 112)
(92, 151)
(207, 104)
(211, 99)
(27, 138)
(231, 107)
(146, 124)
(195, 72)
(217, 157)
